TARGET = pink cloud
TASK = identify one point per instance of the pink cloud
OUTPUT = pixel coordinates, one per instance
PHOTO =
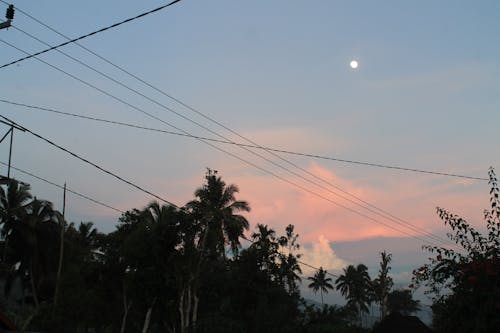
(326, 214)
(278, 204)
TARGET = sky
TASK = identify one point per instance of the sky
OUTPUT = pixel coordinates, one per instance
(426, 96)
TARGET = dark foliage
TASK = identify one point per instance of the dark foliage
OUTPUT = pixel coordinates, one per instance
(469, 277)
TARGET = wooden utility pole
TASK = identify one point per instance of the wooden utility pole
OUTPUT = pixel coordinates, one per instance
(10, 150)
(11, 132)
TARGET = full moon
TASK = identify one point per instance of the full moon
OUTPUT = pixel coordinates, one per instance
(354, 64)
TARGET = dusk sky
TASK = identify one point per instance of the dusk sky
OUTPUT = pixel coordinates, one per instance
(426, 95)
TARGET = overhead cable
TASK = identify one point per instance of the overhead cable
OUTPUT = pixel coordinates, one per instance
(89, 34)
(372, 208)
(420, 230)
(377, 211)
(86, 197)
(290, 152)
(405, 224)
(85, 160)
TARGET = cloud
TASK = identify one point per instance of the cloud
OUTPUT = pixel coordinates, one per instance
(321, 254)
(324, 210)
(317, 210)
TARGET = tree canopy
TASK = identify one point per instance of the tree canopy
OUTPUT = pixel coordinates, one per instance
(466, 281)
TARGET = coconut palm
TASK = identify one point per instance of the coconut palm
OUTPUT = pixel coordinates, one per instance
(34, 243)
(14, 201)
(215, 209)
(265, 244)
(163, 219)
(383, 283)
(320, 282)
(355, 285)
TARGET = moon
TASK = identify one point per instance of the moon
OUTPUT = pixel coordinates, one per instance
(354, 64)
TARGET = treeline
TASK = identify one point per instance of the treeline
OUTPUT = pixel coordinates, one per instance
(170, 269)
(164, 269)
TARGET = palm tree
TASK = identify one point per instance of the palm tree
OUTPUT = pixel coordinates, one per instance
(87, 235)
(383, 283)
(320, 282)
(355, 285)
(289, 270)
(163, 219)
(34, 243)
(14, 201)
(216, 208)
(266, 246)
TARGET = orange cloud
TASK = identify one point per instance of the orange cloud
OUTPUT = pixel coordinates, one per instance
(337, 218)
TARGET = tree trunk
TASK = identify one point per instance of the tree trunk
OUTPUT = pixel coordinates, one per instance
(322, 302)
(28, 321)
(5, 246)
(33, 287)
(383, 306)
(181, 310)
(126, 307)
(195, 312)
(148, 317)
(188, 308)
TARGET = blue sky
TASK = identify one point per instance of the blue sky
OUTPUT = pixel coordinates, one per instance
(426, 95)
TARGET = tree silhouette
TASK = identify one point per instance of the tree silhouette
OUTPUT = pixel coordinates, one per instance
(320, 282)
(355, 285)
(470, 273)
(14, 202)
(402, 301)
(383, 283)
(216, 208)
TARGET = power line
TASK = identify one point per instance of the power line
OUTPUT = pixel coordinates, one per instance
(91, 163)
(264, 170)
(111, 207)
(370, 207)
(189, 107)
(290, 152)
(385, 214)
(164, 200)
(404, 223)
(416, 228)
(67, 189)
(89, 34)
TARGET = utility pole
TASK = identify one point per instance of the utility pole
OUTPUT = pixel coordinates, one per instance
(11, 132)
(9, 15)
